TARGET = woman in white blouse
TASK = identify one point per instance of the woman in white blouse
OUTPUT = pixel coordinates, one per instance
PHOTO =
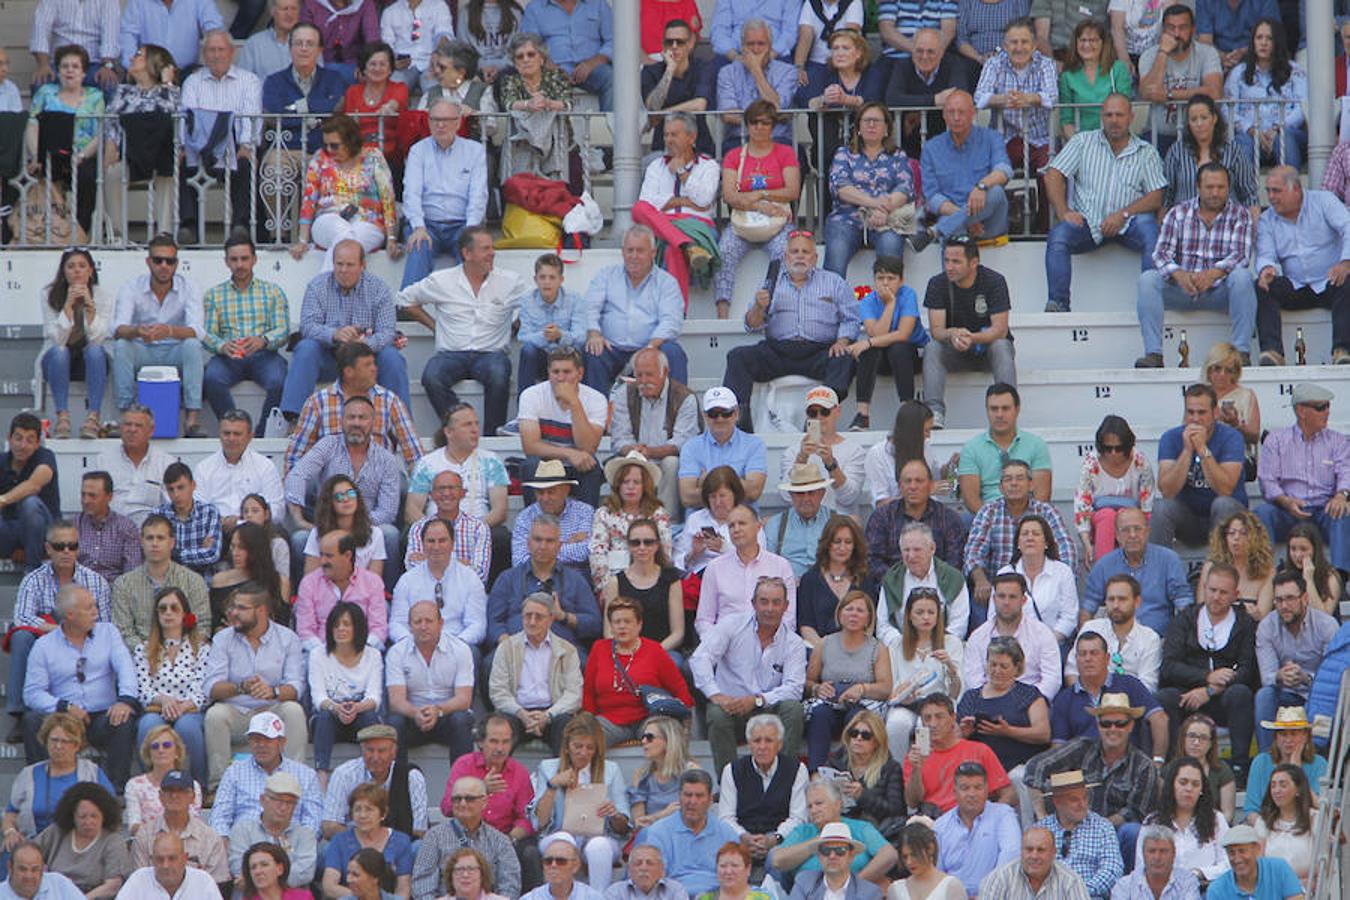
(171, 674)
(927, 661)
(1186, 805)
(1288, 819)
(1052, 590)
(77, 319)
(346, 683)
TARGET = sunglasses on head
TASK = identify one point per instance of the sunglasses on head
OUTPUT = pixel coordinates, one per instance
(800, 232)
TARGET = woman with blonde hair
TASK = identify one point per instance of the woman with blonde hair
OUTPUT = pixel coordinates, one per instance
(171, 675)
(655, 793)
(1238, 406)
(851, 669)
(875, 788)
(1243, 542)
(162, 752)
(632, 496)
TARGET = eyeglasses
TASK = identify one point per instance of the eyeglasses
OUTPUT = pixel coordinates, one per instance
(79, 669)
(467, 870)
(164, 260)
(331, 146)
(816, 412)
(55, 739)
(765, 123)
(859, 734)
(556, 860)
(64, 545)
(1110, 448)
(642, 542)
(648, 737)
(872, 120)
(466, 798)
(163, 745)
(1113, 723)
(832, 850)
(349, 494)
(720, 413)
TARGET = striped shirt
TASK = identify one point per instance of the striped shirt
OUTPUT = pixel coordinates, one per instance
(1105, 181)
(260, 309)
(823, 310)
(37, 594)
(1009, 882)
(1038, 77)
(1181, 169)
(1310, 470)
(238, 91)
(322, 415)
(473, 543)
(911, 15)
(369, 305)
(1185, 242)
(981, 24)
(92, 24)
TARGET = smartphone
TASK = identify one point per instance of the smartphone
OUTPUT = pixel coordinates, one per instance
(923, 739)
(709, 531)
(401, 57)
(813, 431)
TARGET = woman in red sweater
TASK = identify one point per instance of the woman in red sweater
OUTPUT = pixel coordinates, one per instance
(605, 691)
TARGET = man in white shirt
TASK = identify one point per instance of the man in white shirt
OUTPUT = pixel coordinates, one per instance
(564, 419)
(1135, 648)
(444, 191)
(455, 588)
(429, 676)
(159, 322)
(224, 103)
(137, 469)
(168, 875)
(234, 471)
(30, 880)
(470, 309)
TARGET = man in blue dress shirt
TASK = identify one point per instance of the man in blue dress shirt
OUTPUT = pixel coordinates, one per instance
(580, 39)
(1302, 260)
(629, 307)
(177, 27)
(964, 171)
(444, 191)
(975, 836)
(690, 839)
(83, 668)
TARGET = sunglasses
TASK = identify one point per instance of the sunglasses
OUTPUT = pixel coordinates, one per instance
(79, 669)
(527, 54)
(648, 737)
(349, 494)
(1064, 850)
(858, 733)
(675, 42)
(466, 798)
(169, 607)
(816, 412)
(832, 850)
(64, 545)
(1113, 723)
(720, 413)
(330, 147)
(163, 745)
(1110, 448)
(164, 260)
(556, 860)
(642, 542)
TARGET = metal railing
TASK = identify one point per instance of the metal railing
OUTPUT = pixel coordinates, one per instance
(1324, 880)
(281, 155)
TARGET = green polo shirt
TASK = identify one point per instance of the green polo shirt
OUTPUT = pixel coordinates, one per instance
(981, 456)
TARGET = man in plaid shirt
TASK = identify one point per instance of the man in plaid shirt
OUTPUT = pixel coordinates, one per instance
(1200, 263)
(196, 525)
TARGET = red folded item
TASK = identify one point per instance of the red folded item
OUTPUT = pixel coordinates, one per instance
(539, 195)
(46, 617)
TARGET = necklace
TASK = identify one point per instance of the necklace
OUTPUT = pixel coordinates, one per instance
(837, 579)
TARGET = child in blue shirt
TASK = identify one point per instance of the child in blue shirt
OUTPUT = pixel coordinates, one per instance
(550, 317)
(894, 333)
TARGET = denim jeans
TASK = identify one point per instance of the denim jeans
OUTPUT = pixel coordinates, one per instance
(843, 240)
(130, 356)
(490, 368)
(312, 362)
(421, 259)
(1067, 239)
(20, 645)
(192, 729)
(27, 529)
(601, 83)
(998, 358)
(1235, 294)
(532, 368)
(994, 216)
(265, 368)
(327, 728)
(1335, 532)
(1294, 138)
(602, 370)
(57, 363)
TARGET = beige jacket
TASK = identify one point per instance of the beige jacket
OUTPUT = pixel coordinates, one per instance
(564, 675)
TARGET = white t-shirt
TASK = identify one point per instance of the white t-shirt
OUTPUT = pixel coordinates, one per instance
(537, 404)
(1143, 22)
(820, 51)
(373, 550)
(331, 680)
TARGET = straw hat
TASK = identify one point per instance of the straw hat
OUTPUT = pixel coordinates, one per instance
(634, 457)
(551, 473)
(1073, 778)
(1113, 704)
(804, 477)
(1289, 718)
(837, 833)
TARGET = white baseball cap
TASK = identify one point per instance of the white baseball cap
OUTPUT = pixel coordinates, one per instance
(267, 724)
(719, 398)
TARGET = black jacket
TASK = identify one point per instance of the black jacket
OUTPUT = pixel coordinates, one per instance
(1185, 664)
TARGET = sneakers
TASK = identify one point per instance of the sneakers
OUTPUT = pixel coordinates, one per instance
(860, 423)
(921, 239)
(510, 429)
(1056, 306)
(1272, 358)
(15, 735)
(1149, 361)
(1246, 359)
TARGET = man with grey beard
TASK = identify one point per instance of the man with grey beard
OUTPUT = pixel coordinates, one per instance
(378, 473)
(808, 316)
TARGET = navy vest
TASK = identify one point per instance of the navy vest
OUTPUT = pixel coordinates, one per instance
(760, 811)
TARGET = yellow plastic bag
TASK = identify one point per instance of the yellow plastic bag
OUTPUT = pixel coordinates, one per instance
(524, 230)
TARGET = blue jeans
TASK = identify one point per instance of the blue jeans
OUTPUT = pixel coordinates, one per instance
(56, 368)
(994, 216)
(190, 727)
(843, 240)
(312, 362)
(20, 645)
(422, 259)
(1294, 138)
(533, 367)
(327, 728)
(129, 356)
(1235, 294)
(490, 368)
(454, 731)
(264, 368)
(1067, 239)
(1335, 532)
(601, 83)
(27, 528)
(602, 370)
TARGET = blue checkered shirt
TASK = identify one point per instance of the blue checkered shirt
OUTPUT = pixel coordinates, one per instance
(37, 594)
(1093, 851)
(190, 535)
(993, 536)
(823, 310)
(368, 305)
(242, 785)
(998, 77)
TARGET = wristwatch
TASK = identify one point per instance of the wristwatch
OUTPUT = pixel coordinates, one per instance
(981, 185)
(759, 701)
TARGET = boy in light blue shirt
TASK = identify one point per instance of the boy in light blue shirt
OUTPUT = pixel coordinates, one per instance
(550, 317)
(890, 340)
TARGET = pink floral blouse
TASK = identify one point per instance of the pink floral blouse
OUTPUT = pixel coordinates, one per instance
(609, 541)
(1095, 482)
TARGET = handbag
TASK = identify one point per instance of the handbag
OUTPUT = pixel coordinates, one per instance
(752, 225)
(657, 700)
(581, 815)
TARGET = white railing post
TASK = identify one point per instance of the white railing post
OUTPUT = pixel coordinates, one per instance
(1320, 27)
(627, 112)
